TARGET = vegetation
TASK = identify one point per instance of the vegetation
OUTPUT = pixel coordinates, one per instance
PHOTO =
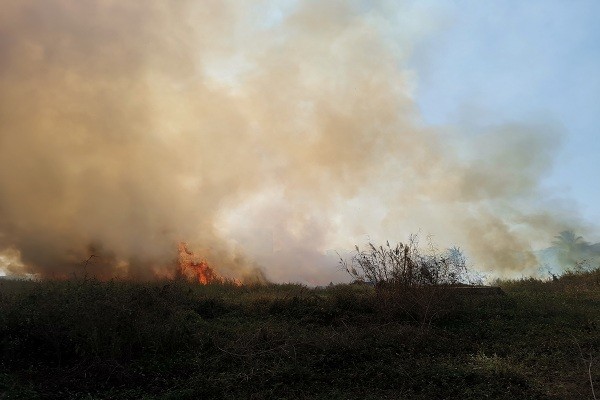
(85, 339)
(407, 265)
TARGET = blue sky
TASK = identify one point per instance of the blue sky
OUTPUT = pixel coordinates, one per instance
(493, 62)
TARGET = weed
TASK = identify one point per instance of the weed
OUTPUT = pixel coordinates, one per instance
(407, 265)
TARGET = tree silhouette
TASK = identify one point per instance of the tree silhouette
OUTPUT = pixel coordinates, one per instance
(572, 249)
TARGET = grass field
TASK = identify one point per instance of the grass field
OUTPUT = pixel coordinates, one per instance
(175, 340)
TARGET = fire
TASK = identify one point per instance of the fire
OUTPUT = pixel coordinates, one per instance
(196, 268)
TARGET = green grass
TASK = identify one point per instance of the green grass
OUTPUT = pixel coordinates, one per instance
(174, 340)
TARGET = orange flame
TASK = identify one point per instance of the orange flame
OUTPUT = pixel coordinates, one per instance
(195, 268)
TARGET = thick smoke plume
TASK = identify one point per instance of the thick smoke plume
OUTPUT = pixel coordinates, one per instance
(263, 134)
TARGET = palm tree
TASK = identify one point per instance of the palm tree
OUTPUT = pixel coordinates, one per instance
(572, 249)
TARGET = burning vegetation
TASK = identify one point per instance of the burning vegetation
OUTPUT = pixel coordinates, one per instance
(195, 268)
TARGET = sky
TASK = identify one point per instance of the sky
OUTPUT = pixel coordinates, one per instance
(272, 135)
(492, 62)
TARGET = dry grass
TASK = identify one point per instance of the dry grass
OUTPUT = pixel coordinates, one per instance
(174, 340)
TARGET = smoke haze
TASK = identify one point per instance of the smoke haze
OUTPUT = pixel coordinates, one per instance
(266, 135)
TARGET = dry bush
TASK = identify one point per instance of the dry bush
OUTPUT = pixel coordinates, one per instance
(407, 280)
(407, 265)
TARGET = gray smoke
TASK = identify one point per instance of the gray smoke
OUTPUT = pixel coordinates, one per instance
(264, 134)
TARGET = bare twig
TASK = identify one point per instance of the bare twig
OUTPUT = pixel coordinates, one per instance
(589, 360)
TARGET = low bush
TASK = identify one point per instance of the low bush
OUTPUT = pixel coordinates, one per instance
(409, 282)
(407, 265)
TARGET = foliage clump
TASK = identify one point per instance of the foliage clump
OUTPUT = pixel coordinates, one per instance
(406, 264)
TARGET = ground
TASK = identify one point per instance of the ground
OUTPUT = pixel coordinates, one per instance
(86, 339)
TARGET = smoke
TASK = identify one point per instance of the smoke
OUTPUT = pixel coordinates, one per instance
(569, 252)
(264, 134)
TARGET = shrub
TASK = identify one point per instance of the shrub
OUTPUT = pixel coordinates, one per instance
(410, 283)
(407, 265)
